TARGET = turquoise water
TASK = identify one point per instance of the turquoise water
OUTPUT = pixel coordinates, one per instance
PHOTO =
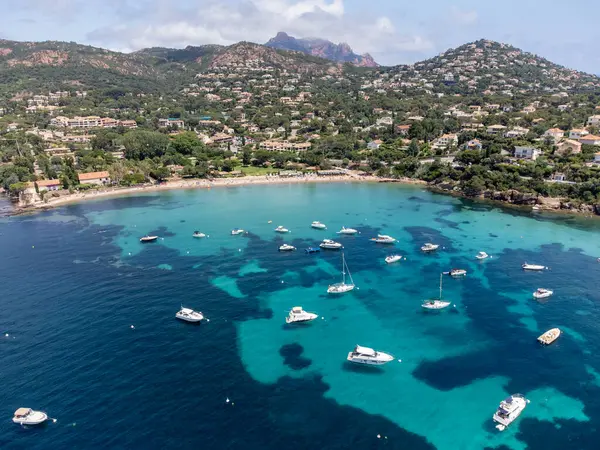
(451, 367)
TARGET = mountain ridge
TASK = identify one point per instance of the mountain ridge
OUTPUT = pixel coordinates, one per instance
(323, 48)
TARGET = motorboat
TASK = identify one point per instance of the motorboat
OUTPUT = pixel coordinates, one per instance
(482, 255)
(549, 336)
(329, 244)
(509, 409)
(533, 267)
(287, 248)
(312, 250)
(542, 293)
(383, 239)
(345, 230)
(281, 229)
(429, 247)
(27, 416)
(147, 238)
(189, 315)
(457, 273)
(318, 225)
(197, 234)
(237, 231)
(436, 303)
(393, 258)
(297, 314)
(340, 288)
(366, 355)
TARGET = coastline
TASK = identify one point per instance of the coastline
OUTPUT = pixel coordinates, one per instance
(203, 184)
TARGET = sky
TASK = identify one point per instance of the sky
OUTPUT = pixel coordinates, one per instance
(392, 31)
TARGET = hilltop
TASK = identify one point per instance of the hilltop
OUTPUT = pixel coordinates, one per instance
(322, 48)
(493, 67)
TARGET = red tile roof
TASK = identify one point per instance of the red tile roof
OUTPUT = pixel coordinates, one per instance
(93, 175)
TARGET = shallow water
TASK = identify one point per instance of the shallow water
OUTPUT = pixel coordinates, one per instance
(89, 334)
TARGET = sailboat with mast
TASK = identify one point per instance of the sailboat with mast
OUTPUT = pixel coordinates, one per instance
(340, 288)
(436, 303)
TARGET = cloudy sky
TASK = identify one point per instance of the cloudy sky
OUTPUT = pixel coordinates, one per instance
(393, 31)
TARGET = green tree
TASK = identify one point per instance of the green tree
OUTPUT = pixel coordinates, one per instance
(141, 144)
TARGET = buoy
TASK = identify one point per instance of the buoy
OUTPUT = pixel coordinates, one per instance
(281, 281)
(132, 327)
(129, 253)
(208, 320)
(33, 246)
(6, 335)
(239, 249)
(227, 400)
(455, 305)
(53, 420)
(399, 360)
(188, 252)
(378, 436)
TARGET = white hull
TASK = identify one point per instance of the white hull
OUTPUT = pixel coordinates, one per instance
(348, 231)
(436, 304)
(504, 420)
(281, 230)
(199, 235)
(339, 288)
(379, 360)
(301, 318)
(428, 249)
(287, 248)
(549, 336)
(318, 226)
(481, 256)
(189, 315)
(237, 232)
(540, 295)
(393, 259)
(33, 418)
(533, 267)
(458, 273)
(330, 246)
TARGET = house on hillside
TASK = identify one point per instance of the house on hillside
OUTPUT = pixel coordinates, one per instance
(474, 144)
(402, 129)
(523, 152)
(163, 123)
(98, 178)
(568, 146)
(555, 134)
(48, 185)
(593, 121)
(590, 139)
(578, 133)
(445, 141)
(374, 145)
(597, 158)
(495, 129)
(516, 132)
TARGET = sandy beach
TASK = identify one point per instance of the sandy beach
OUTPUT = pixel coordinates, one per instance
(208, 184)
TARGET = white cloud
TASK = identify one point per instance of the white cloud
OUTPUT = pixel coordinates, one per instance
(164, 23)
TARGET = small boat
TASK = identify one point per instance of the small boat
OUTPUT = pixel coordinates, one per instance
(366, 355)
(27, 416)
(383, 239)
(148, 238)
(392, 259)
(287, 248)
(482, 255)
(542, 293)
(189, 315)
(429, 247)
(340, 288)
(457, 273)
(549, 336)
(509, 410)
(297, 314)
(345, 230)
(533, 267)
(318, 225)
(436, 303)
(329, 244)
(237, 231)
(312, 250)
(197, 234)
(281, 229)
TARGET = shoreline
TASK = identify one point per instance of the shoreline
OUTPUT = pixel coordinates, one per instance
(182, 184)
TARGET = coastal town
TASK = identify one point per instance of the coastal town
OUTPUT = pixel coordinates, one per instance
(483, 120)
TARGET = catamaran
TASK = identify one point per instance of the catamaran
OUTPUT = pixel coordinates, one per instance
(533, 267)
(366, 355)
(345, 230)
(340, 288)
(297, 314)
(436, 303)
(509, 410)
(318, 225)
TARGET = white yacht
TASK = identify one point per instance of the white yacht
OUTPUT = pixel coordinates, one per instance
(458, 273)
(281, 229)
(318, 225)
(436, 303)
(287, 248)
(328, 243)
(189, 315)
(542, 293)
(482, 255)
(237, 231)
(198, 234)
(393, 258)
(148, 239)
(366, 355)
(383, 239)
(533, 267)
(340, 288)
(297, 314)
(345, 230)
(27, 416)
(429, 247)
(509, 410)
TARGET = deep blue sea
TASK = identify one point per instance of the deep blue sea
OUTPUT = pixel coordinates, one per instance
(88, 330)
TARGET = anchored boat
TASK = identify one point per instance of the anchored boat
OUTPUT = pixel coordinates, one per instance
(189, 315)
(508, 411)
(392, 258)
(436, 303)
(429, 247)
(535, 267)
(542, 293)
(383, 239)
(366, 355)
(297, 314)
(345, 230)
(318, 225)
(27, 416)
(147, 238)
(340, 288)
(549, 336)
(287, 248)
